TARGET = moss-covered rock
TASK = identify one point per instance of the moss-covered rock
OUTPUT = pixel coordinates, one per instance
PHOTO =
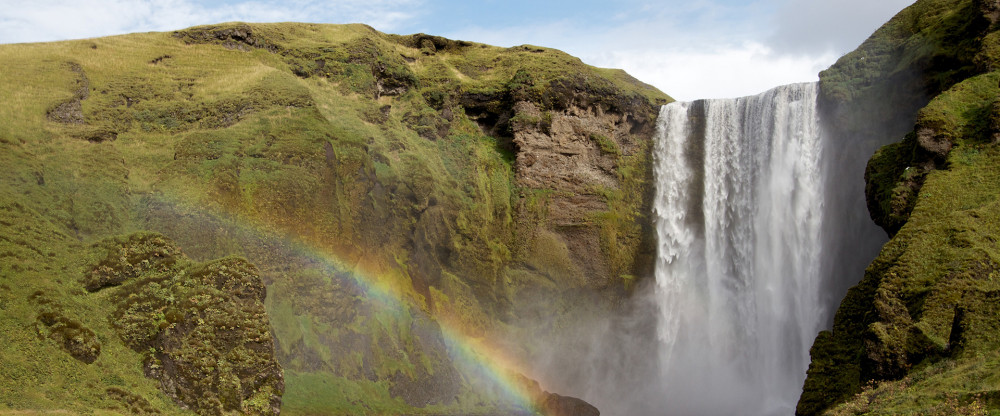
(128, 257)
(892, 184)
(202, 327)
(131, 402)
(69, 333)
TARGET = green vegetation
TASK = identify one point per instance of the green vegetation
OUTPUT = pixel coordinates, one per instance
(61, 352)
(918, 334)
(942, 388)
(622, 224)
(929, 39)
(893, 180)
(370, 179)
(606, 145)
(201, 327)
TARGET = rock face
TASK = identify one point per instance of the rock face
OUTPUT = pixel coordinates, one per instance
(551, 404)
(579, 154)
(916, 330)
(556, 405)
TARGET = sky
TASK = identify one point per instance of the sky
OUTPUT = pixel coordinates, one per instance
(690, 49)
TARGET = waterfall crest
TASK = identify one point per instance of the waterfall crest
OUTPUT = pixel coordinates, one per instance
(739, 278)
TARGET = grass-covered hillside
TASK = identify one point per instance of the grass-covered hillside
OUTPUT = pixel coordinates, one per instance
(389, 201)
(920, 333)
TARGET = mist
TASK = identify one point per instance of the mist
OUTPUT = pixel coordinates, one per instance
(746, 277)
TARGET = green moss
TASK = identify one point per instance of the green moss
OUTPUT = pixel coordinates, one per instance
(931, 34)
(943, 388)
(621, 226)
(60, 353)
(920, 305)
(312, 393)
(128, 257)
(928, 69)
(71, 335)
(605, 144)
(922, 51)
(893, 180)
(550, 256)
(202, 327)
(939, 263)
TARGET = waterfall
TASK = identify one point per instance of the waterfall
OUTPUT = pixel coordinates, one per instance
(739, 209)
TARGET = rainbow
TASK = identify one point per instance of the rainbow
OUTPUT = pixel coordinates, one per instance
(489, 362)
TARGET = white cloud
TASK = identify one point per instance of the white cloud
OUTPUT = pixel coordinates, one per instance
(682, 59)
(806, 26)
(49, 20)
(727, 72)
(689, 49)
(708, 49)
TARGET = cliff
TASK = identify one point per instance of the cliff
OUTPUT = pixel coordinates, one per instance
(393, 196)
(918, 334)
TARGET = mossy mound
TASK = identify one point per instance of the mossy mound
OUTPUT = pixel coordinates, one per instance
(201, 327)
(74, 338)
(136, 255)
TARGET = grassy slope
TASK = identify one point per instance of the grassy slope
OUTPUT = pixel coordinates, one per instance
(918, 334)
(941, 272)
(278, 145)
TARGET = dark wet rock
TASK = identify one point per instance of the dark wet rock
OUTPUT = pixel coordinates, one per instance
(557, 405)
(71, 110)
(552, 404)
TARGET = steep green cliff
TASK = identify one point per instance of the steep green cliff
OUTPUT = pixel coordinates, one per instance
(381, 187)
(919, 333)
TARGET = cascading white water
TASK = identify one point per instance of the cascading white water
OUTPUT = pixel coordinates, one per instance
(739, 208)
